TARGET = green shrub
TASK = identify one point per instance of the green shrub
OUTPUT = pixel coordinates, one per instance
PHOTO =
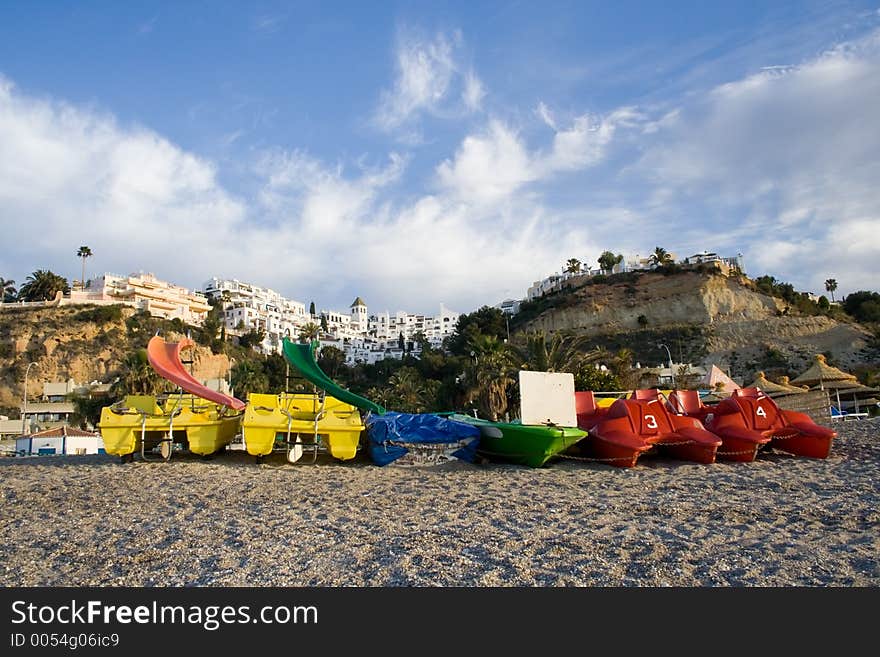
(100, 314)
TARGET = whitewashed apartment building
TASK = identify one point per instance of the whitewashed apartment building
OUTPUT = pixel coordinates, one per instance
(249, 307)
(362, 337)
(146, 292)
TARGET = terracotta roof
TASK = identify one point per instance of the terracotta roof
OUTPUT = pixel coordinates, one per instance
(58, 432)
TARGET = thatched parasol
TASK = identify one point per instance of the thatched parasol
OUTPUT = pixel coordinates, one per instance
(772, 389)
(783, 381)
(822, 374)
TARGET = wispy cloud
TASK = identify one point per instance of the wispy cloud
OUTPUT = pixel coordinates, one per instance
(491, 165)
(147, 26)
(267, 23)
(427, 70)
(314, 229)
(781, 163)
(473, 92)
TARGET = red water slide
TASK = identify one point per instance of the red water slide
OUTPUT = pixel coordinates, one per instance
(164, 357)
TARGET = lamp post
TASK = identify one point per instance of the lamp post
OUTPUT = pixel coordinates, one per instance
(671, 371)
(24, 400)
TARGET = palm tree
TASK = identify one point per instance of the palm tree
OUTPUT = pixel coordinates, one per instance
(309, 332)
(407, 390)
(489, 375)
(331, 360)
(7, 290)
(43, 285)
(573, 266)
(621, 366)
(831, 285)
(83, 253)
(560, 352)
(136, 376)
(660, 257)
(249, 377)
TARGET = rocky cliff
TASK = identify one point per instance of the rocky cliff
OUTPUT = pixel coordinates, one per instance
(78, 342)
(705, 318)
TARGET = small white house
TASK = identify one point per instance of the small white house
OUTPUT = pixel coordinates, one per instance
(60, 440)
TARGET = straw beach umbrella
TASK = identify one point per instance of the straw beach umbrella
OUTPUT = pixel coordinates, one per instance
(783, 381)
(822, 376)
(772, 389)
(820, 373)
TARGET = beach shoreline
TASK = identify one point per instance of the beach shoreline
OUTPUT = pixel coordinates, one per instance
(780, 521)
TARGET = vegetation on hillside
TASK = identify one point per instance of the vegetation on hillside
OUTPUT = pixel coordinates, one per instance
(476, 369)
(42, 285)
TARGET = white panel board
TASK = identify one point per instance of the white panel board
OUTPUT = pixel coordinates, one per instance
(547, 398)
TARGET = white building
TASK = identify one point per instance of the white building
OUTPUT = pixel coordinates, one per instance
(146, 292)
(249, 307)
(509, 306)
(61, 440)
(370, 338)
(363, 337)
(385, 326)
(726, 265)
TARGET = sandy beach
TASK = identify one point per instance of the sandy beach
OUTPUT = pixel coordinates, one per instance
(780, 521)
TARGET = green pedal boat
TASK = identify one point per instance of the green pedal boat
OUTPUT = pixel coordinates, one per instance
(525, 444)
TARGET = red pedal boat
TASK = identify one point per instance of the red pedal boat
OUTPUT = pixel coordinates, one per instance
(631, 427)
(750, 419)
(588, 412)
(688, 402)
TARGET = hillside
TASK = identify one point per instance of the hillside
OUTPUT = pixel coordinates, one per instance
(704, 318)
(85, 343)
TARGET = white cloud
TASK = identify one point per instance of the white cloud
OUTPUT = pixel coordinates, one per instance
(69, 176)
(267, 23)
(427, 73)
(473, 93)
(546, 115)
(584, 143)
(783, 166)
(490, 166)
(487, 167)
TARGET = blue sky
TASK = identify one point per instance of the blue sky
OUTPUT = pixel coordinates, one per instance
(417, 153)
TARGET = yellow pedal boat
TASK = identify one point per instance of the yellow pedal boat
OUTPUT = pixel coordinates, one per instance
(142, 423)
(301, 422)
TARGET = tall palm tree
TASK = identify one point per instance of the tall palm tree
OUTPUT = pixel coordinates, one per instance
(831, 285)
(560, 352)
(43, 285)
(7, 289)
(621, 365)
(489, 375)
(309, 332)
(83, 253)
(407, 389)
(660, 256)
(136, 376)
(573, 266)
(249, 377)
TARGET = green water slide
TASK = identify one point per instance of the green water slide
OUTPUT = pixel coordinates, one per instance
(302, 357)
